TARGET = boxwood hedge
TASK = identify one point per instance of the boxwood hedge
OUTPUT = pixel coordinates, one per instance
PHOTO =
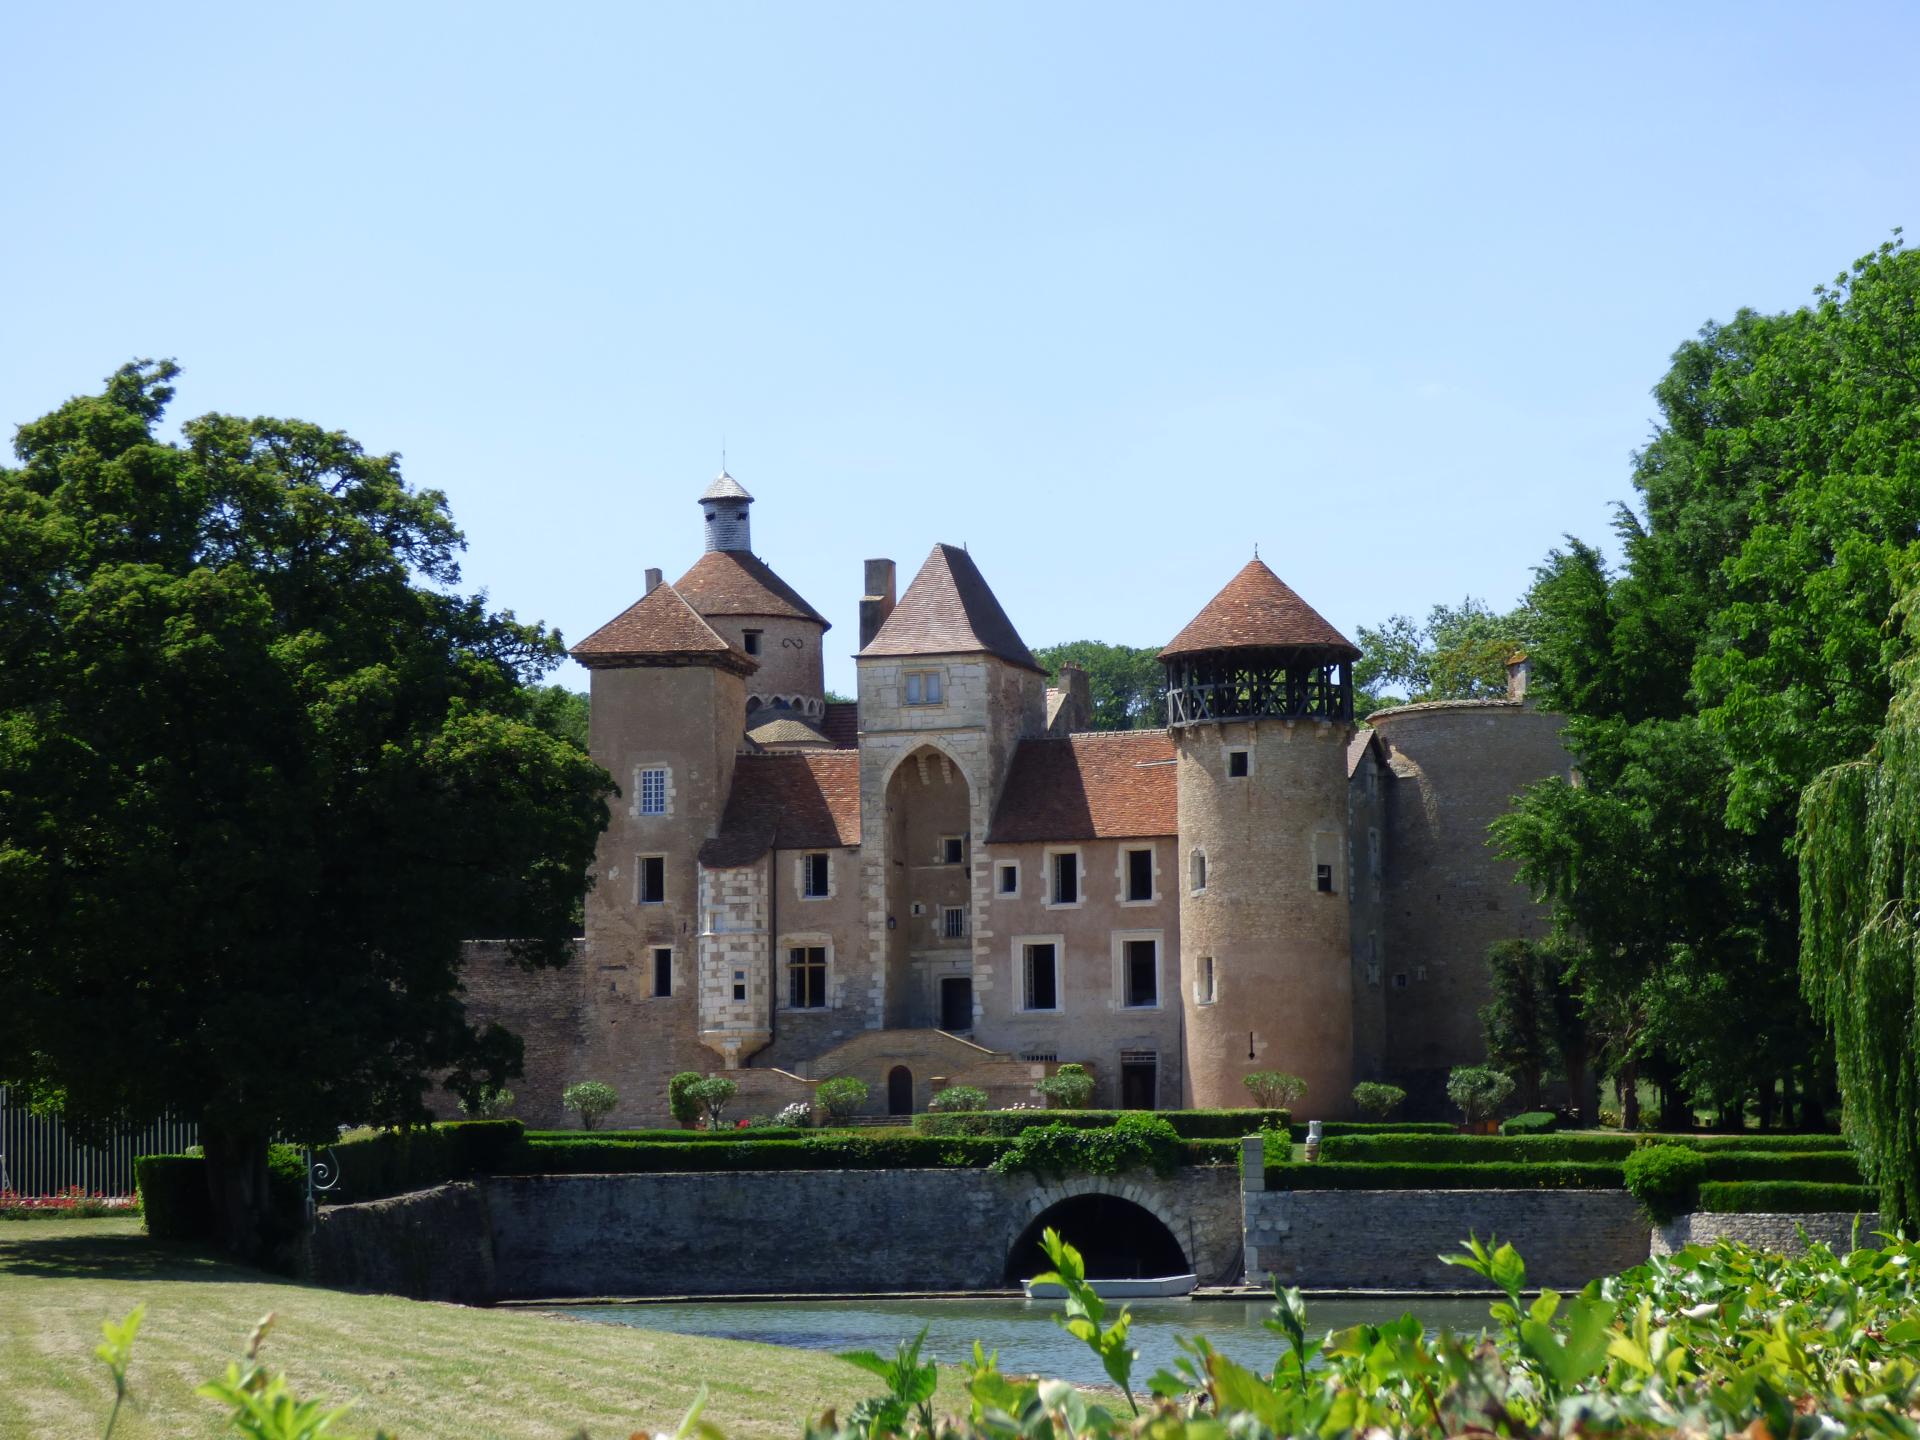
(1187, 1124)
(1786, 1197)
(591, 1154)
(393, 1162)
(1570, 1145)
(1341, 1175)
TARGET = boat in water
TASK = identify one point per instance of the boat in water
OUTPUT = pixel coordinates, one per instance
(1162, 1287)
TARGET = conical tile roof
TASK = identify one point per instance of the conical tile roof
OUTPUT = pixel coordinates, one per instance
(661, 626)
(1258, 611)
(725, 487)
(732, 582)
(950, 610)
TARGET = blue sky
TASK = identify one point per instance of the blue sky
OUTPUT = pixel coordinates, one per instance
(1109, 293)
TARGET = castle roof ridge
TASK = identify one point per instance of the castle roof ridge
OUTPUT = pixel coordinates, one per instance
(949, 609)
(736, 582)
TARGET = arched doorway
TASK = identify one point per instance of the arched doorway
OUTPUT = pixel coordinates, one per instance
(929, 844)
(899, 1091)
(1117, 1240)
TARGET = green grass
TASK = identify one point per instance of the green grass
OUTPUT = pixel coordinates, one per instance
(421, 1371)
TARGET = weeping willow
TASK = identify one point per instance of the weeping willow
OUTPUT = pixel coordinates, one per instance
(1859, 845)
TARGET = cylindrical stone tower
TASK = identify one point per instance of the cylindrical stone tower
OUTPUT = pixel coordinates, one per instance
(723, 505)
(1260, 701)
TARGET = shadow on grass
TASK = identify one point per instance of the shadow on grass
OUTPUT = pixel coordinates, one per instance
(116, 1257)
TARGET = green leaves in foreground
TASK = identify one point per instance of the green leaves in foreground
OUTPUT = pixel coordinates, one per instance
(910, 1387)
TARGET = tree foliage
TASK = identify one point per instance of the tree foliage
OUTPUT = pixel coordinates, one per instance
(1127, 683)
(262, 768)
(1459, 653)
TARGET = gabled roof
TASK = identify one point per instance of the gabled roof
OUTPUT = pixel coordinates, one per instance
(841, 723)
(725, 487)
(800, 800)
(732, 582)
(1257, 611)
(1363, 738)
(1093, 786)
(950, 610)
(662, 627)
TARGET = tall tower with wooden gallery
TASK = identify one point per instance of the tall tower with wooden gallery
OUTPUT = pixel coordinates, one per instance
(1260, 702)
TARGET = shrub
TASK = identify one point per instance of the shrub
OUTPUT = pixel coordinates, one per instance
(1275, 1089)
(797, 1116)
(842, 1096)
(589, 1099)
(1068, 1088)
(1665, 1179)
(680, 1105)
(573, 1154)
(959, 1098)
(1344, 1175)
(713, 1095)
(173, 1196)
(488, 1102)
(1378, 1099)
(1785, 1197)
(1188, 1124)
(1478, 1090)
(1530, 1122)
(1137, 1140)
(393, 1162)
(1330, 1128)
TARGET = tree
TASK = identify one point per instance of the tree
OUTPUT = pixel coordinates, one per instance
(1460, 653)
(680, 1102)
(841, 1097)
(1068, 1088)
(1479, 1090)
(560, 711)
(1275, 1089)
(487, 1102)
(262, 767)
(713, 1095)
(590, 1100)
(1378, 1099)
(1127, 684)
(1534, 1021)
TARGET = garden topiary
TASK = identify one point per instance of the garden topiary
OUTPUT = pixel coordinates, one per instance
(1275, 1089)
(1532, 1122)
(1378, 1099)
(1478, 1090)
(842, 1096)
(1665, 1179)
(713, 1095)
(590, 1100)
(682, 1106)
(1068, 1088)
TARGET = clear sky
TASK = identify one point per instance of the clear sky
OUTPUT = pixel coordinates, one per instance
(1110, 293)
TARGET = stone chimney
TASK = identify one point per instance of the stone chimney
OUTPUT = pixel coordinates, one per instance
(877, 603)
(1517, 669)
(653, 578)
(1078, 710)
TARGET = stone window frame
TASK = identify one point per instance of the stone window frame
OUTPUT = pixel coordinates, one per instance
(945, 931)
(639, 793)
(1329, 849)
(1124, 870)
(1118, 942)
(805, 940)
(801, 865)
(654, 992)
(1080, 878)
(1206, 993)
(1000, 867)
(640, 877)
(1198, 853)
(750, 640)
(1226, 763)
(946, 847)
(1020, 944)
(937, 674)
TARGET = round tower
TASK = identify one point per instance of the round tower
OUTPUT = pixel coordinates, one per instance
(725, 503)
(1260, 703)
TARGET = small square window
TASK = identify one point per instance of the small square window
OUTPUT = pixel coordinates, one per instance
(653, 879)
(1237, 764)
(653, 790)
(662, 972)
(750, 639)
(1399, 979)
(1009, 879)
(815, 873)
(1139, 874)
(1323, 879)
(953, 849)
(922, 687)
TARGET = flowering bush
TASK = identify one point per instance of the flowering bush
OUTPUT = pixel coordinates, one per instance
(72, 1203)
(796, 1116)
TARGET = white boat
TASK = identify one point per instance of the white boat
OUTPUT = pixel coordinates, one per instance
(1155, 1288)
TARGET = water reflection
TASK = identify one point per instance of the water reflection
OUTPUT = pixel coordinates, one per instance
(1022, 1331)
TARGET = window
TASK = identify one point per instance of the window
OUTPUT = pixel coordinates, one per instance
(1237, 763)
(653, 790)
(1197, 871)
(1399, 979)
(1203, 991)
(807, 977)
(662, 972)
(923, 687)
(750, 640)
(815, 874)
(1373, 853)
(1066, 878)
(953, 922)
(1010, 879)
(653, 879)
(953, 849)
(1140, 980)
(1039, 966)
(739, 984)
(1139, 874)
(1323, 879)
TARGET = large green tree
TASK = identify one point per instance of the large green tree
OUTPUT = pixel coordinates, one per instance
(262, 768)
(1128, 684)
(1460, 652)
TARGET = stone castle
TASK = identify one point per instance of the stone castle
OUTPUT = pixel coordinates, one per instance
(954, 881)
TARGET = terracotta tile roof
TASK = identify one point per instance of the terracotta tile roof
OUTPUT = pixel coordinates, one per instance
(950, 610)
(661, 626)
(1257, 611)
(803, 799)
(732, 582)
(725, 487)
(842, 723)
(1092, 786)
(785, 730)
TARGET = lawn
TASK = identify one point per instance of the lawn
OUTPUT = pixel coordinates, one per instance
(421, 1371)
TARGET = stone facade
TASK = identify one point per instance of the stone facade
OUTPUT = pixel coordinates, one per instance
(1260, 886)
(1784, 1234)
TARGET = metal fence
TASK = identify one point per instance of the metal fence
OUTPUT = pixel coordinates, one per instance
(39, 1157)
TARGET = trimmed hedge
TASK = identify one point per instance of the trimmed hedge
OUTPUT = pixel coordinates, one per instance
(1531, 1122)
(1330, 1128)
(1337, 1175)
(592, 1155)
(394, 1162)
(1187, 1124)
(1785, 1197)
(1568, 1145)
(727, 1136)
(173, 1196)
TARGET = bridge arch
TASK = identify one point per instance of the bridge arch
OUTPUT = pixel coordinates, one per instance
(1121, 1232)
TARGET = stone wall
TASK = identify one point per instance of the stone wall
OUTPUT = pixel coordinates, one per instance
(1392, 1239)
(545, 1008)
(1768, 1232)
(768, 1232)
